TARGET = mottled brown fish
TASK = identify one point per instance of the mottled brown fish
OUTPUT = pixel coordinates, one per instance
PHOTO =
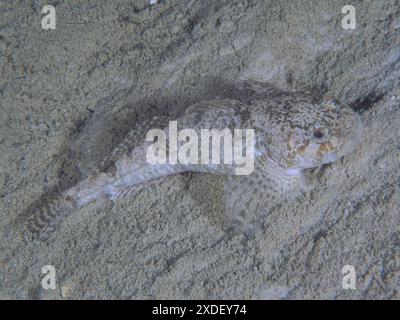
(292, 133)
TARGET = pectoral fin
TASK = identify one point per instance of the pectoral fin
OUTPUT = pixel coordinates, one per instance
(249, 198)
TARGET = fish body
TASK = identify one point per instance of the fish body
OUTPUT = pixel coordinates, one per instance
(292, 133)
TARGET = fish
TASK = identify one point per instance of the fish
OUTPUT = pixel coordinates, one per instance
(292, 133)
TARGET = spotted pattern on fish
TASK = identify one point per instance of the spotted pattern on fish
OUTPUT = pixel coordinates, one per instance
(293, 133)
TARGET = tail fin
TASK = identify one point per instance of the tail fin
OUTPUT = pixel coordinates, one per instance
(46, 219)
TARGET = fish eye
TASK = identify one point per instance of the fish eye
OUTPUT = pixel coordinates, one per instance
(318, 133)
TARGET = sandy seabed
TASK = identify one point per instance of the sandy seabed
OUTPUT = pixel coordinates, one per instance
(69, 95)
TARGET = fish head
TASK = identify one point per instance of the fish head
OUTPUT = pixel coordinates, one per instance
(320, 133)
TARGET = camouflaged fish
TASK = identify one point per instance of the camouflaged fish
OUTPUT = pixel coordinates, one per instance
(292, 133)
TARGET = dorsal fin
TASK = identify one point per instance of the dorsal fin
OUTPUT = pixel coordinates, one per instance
(133, 138)
(225, 105)
(258, 90)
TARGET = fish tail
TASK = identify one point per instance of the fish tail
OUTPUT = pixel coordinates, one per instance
(45, 220)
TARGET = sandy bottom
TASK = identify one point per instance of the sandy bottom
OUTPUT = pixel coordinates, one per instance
(69, 95)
